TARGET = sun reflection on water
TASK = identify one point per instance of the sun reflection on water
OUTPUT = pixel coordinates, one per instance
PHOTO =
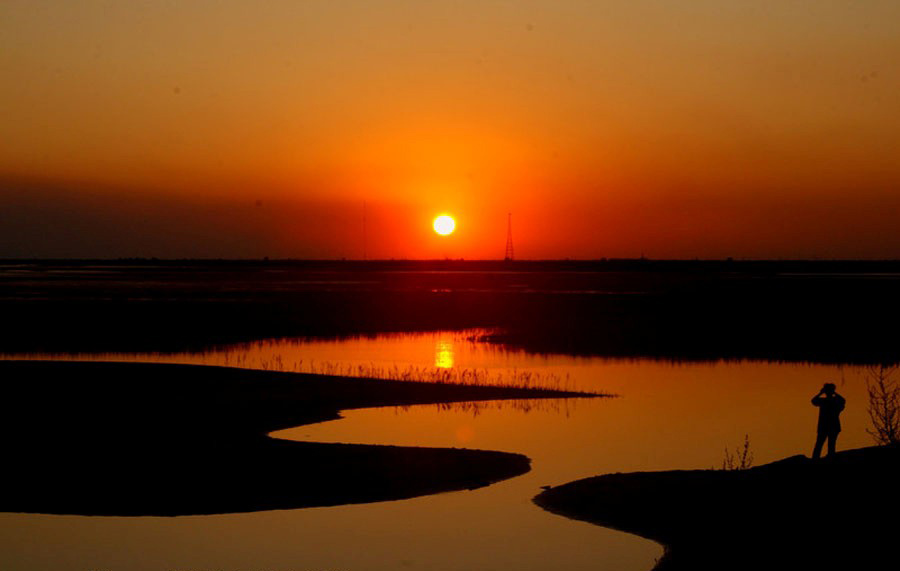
(455, 356)
(443, 353)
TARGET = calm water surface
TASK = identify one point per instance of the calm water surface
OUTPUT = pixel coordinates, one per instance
(668, 416)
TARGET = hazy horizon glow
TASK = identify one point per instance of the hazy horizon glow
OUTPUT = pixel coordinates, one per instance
(608, 129)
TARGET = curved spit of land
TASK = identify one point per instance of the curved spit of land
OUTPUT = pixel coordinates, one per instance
(834, 513)
(152, 439)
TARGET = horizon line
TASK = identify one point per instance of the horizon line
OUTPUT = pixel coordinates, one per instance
(264, 259)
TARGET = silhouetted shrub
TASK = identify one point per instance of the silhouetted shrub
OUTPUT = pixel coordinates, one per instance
(884, 404)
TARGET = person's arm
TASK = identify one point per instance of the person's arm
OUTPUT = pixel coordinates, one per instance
(819, 399)
(840, 402)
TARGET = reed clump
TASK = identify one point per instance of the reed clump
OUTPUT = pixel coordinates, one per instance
(467, 376)
(740, 459)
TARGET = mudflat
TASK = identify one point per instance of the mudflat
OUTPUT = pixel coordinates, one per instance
(155, 439)
(797, 513)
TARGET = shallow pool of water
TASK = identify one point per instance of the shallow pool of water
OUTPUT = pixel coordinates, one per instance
(667, 416)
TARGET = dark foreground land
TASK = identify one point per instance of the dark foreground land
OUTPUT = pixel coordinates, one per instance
(149, 439)
(836, 513)
(837, 312)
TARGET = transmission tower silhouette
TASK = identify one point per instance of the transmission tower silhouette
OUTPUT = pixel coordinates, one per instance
(509, 245)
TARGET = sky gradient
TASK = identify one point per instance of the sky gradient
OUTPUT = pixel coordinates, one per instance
(324, 129)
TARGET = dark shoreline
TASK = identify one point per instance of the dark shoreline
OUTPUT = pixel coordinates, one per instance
(129, 439)
(794, 514)
(823, 312)
(836, 265)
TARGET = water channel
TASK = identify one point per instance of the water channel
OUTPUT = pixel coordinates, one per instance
(666, 415)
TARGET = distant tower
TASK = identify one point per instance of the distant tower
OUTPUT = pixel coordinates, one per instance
(509, 247)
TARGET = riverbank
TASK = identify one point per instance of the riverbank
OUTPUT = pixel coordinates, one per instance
(835, 513)
(151, 439)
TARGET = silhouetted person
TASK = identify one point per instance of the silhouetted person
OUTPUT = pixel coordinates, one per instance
(830, 406)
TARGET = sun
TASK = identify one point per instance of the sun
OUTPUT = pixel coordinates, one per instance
(444, 225)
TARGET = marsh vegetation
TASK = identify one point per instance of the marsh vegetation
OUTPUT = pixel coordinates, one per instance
(884, 403)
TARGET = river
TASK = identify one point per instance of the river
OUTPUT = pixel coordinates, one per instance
(666, 415)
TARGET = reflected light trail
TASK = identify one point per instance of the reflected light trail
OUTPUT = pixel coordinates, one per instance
(443, 353)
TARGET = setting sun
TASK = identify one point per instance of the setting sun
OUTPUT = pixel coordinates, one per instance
(444, 225)
(688, 206)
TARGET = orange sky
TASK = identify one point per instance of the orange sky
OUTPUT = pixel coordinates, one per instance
(235, 129)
